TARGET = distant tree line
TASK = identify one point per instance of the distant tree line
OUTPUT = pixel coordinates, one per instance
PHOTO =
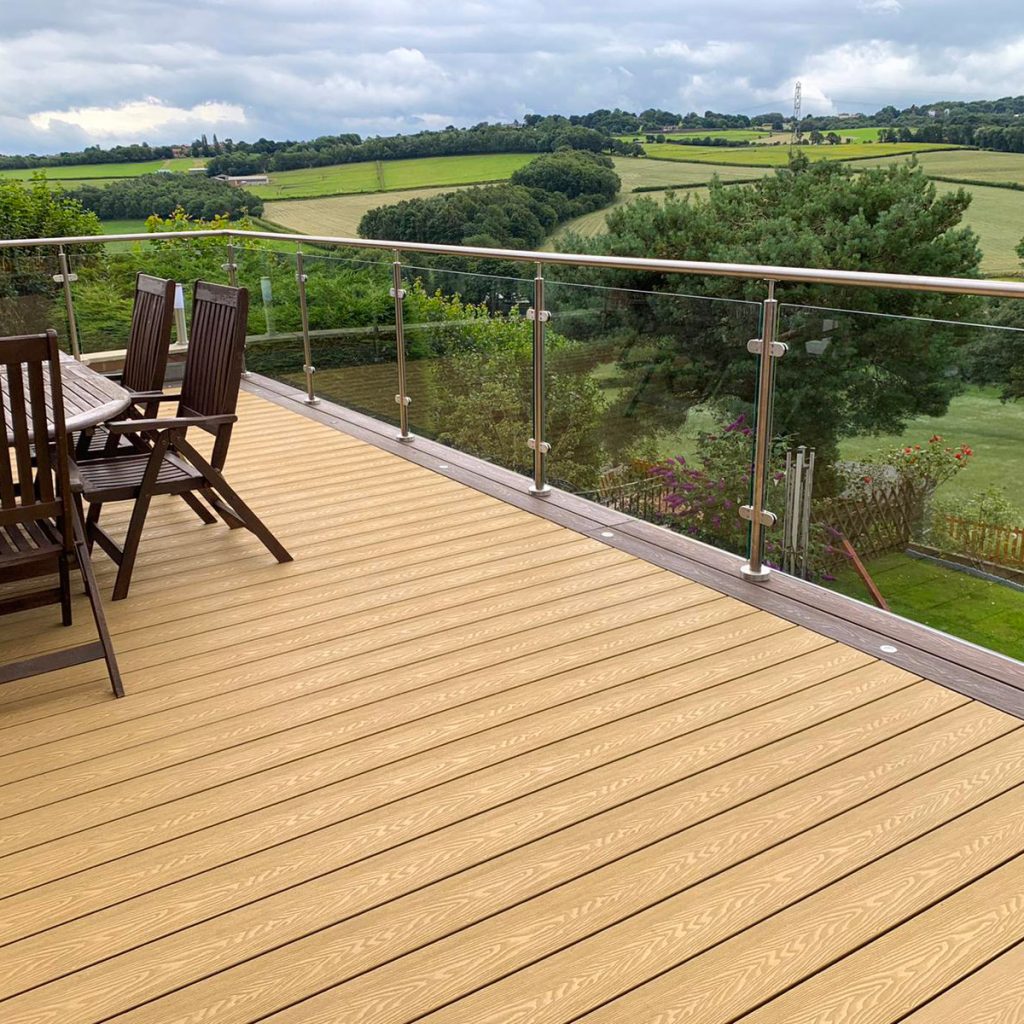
(542, 135)
(161, 194)
(518, 215)
(92, 155)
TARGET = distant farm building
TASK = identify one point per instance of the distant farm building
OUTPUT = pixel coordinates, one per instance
(197, 170)
(241, 180)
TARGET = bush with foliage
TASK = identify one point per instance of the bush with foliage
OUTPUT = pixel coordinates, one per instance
(162, 194)
(487, 408)
(27, 288)
(704, 493)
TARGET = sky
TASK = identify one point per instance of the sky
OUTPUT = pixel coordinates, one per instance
(101, 72)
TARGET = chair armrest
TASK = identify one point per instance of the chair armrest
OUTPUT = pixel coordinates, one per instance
(168, 423)
(152, 396)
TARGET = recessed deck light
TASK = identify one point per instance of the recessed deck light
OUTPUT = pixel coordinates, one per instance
(607, 533)
(888, 649)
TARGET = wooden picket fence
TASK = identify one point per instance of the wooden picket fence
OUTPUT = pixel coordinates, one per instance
(1003, 545)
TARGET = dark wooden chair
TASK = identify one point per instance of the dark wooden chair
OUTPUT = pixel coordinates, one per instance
(145, 365)
(41, 532)
(209, 395)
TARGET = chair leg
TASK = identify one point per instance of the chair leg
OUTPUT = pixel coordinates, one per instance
(92, 592)
(242, 511)
(198, 507)
(95, 508)
(63, 571)
(130, 548)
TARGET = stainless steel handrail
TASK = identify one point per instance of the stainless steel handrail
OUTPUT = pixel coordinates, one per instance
(765, 347)
(748, 271)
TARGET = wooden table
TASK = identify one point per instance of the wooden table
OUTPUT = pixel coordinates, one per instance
(89, 397)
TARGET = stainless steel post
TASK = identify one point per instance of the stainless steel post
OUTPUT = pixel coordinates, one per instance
(768, 350)
(66, 278)
(540, 316)
(402, 398)
(307, 353)
(231, 267)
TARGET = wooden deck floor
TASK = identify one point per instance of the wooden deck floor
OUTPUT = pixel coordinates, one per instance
(457, 763)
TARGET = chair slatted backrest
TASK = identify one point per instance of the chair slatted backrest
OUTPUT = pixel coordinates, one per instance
(213, 367)
(145, 362)
(31, 403)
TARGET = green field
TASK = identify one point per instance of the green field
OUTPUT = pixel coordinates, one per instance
(997, 215)
(123, 227)
(778, 156)
(81, 173)
(337, 215)
(389, 175)
(340, 215)
(971, 164)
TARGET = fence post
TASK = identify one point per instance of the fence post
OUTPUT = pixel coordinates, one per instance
(66, 277)
(402, 398)
(540, 316)
(767, 349)
(307, 353)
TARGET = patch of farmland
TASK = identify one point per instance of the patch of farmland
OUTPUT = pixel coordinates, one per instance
(391, 175)
(337, 215)
(778, 156)
(637, 172)
(997, 216)
(970, 164)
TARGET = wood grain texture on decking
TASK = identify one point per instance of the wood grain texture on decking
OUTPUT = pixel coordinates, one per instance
(457, 762)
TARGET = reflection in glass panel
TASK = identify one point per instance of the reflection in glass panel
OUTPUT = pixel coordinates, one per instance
(905, 480)
(650, 401)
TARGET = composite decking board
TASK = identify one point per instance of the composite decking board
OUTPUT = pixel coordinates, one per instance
(368, 607)
(233, 802)
(458, 884)
(422, 976)
(994, 994)
(985, 675)
(160, 966)
(116, 836)
(924, 914)
(321, 593)
(64, 750)
(285, 653)
(52, 778)
(480, 837)
(32, 826)
(479, 742)
(409, 812)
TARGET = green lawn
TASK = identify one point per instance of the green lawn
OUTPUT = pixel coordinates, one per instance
(984, 613)
(381, 176)
(778, 156)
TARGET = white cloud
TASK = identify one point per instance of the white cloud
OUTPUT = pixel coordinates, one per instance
(881, 6)
(134, 120)
(713, 53)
